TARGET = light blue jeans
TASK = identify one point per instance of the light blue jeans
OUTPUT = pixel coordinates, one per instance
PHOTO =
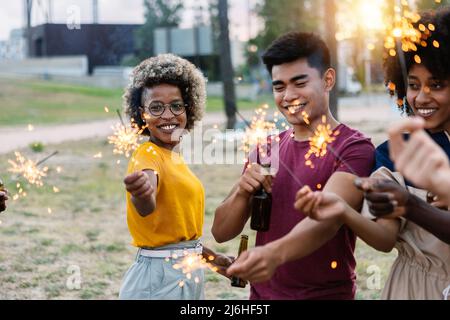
(156, 279)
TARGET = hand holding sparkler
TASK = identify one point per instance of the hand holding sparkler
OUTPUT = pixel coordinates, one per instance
(257, 264)
(320, 205)
(388, 199)
(220, 262)
(141, 185)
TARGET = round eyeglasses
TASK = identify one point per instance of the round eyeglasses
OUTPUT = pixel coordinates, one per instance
(158, 108)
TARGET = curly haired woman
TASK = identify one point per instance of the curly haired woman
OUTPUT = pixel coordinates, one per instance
(165, 200)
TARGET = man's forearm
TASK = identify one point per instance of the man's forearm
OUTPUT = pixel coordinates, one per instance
(305, 238)
(231, 216)
(432, 219)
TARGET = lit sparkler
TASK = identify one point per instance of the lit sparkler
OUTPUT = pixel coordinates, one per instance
(323, 136)
(28, 169)
(125, 139)
(258, 130)
(263, 135)
(404, 33)
(192, 262)
(407, 35)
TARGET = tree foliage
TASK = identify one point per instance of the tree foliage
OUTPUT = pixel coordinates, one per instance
(281, 16)
(158, 13)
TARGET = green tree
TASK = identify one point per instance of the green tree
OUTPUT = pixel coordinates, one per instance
(226, 67)
(213, 9)
(281, 16)
(158, 13)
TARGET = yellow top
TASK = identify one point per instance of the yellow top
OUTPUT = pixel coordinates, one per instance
(180, 200)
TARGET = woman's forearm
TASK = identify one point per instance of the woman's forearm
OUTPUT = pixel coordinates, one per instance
(144, 206)
(432, 219)
(230, 216)
(380, 235)
(441, 187)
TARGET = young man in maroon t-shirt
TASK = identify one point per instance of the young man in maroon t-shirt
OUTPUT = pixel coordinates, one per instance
(300, 258)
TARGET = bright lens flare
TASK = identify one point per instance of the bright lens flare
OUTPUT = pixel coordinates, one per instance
(28, 169)
(372, 14)
(124, 139)
(360, 16)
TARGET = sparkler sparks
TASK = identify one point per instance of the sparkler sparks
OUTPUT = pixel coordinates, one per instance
(323, 136)
(405, 32)
(28, 169)
(402, 30)
(192, 262)
(405, 35)
(333, 264)
(124, 139)
(259, 129)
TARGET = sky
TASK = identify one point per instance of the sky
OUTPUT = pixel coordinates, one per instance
(117, 11)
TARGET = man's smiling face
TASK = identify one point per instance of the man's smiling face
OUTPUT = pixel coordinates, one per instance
(298, 89)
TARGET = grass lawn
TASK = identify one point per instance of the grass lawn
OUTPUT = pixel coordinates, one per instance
(40, 102)
(47, 237)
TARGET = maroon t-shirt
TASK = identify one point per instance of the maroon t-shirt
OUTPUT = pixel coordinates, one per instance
(313, 276)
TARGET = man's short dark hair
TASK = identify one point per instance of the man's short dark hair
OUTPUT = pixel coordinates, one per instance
(297, 45)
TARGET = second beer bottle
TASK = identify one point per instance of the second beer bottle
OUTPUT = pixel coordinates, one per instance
(235, 281)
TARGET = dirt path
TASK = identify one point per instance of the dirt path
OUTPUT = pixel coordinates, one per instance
(13, 138)
(368, 113)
